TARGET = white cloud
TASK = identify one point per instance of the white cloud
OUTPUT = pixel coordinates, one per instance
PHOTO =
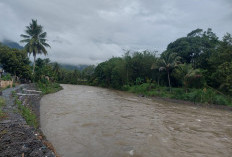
(91, 31)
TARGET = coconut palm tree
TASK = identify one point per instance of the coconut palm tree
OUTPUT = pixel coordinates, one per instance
(168, 61)
(185, 71)
(57, 70)
(35, 40)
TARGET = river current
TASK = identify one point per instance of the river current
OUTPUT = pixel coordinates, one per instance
(84, 121)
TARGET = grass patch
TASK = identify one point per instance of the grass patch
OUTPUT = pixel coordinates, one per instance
(48, 87)
(206, 95)
(13, 93)
(2, 103)
(27, 114)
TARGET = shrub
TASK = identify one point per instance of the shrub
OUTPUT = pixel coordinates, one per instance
(196, 81)
(48, 87)
(178, 93)
(125, 87)
(220, 100)
(18, 102)
(138, 81)
(140, 89)
(209, 96)
(6, 77)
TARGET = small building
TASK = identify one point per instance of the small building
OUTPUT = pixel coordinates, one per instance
(4, 83)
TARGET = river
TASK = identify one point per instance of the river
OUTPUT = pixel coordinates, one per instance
(84, 121)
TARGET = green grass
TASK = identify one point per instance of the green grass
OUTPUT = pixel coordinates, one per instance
(48, 87)
(27, 114)
(206, 95)
(26, 111)
(13, 93)
(2, 103)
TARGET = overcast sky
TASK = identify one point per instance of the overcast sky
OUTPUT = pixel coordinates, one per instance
(91, 31)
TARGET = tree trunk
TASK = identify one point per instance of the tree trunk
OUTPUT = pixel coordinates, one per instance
(169, 82)
(127, 75)
(34, 65)
(159, 79)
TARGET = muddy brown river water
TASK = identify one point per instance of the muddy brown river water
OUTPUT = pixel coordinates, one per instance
(83, 121)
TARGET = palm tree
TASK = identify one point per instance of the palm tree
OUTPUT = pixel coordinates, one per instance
(186, 71)
(35, 40)
(167, 62)
(57, 70)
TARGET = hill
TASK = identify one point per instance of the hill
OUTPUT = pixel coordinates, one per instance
(11, 44)
(73, 67)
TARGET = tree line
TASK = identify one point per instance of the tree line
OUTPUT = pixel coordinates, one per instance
(197, 60)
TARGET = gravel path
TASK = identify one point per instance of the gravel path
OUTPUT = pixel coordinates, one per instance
(17, 139)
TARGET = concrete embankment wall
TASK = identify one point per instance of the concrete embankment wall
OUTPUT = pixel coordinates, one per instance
(4, 84)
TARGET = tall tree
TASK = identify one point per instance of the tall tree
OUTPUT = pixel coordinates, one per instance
(15, 62)
(168, 62)
(35, 40)
(196, 48)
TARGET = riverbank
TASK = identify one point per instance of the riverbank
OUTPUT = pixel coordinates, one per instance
(20, 133)
(203, 97)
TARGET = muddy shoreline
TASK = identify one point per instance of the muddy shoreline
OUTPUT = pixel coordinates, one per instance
(17, 138)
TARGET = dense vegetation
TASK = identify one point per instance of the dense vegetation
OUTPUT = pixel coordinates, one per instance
(205, 95)
(15, 62)
(197, 67)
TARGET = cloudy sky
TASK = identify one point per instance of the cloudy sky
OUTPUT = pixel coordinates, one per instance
(91, 31)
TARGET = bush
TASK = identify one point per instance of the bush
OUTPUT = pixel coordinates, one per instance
(140, 89)
(208, 96)
(220, 100)
(48, 87)
(178, 93)
(125, 87)
(196, 81)
(138, 81)
(6, 77)
(194, 96)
